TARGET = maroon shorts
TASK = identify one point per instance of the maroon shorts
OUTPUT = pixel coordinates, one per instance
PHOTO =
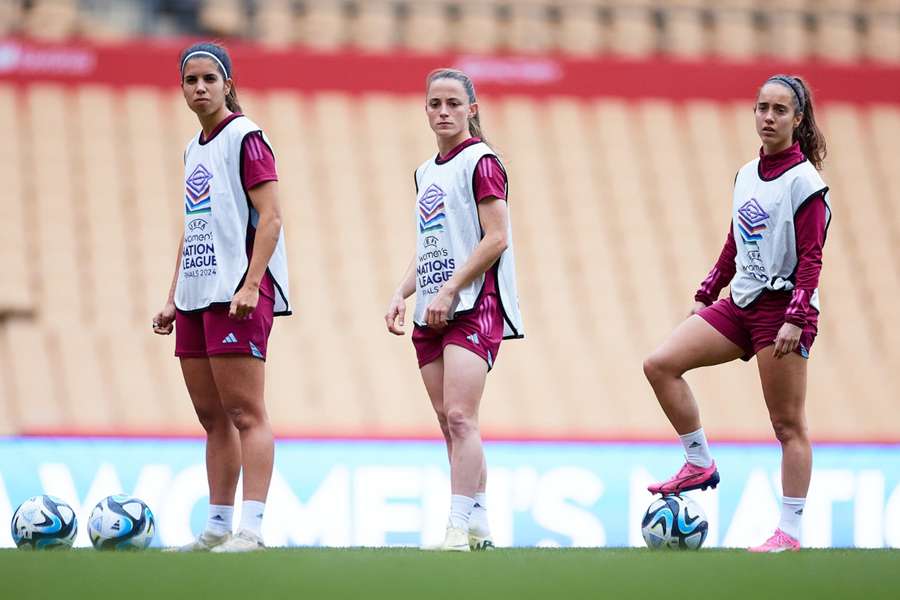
(479, 331)
(212, 331)
(755, 327)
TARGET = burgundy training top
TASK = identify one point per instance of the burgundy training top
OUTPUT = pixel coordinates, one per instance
(257, 160)
(257, 166)
(489, 182)
(809, 224)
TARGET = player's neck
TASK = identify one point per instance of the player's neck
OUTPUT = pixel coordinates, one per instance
(447, 144)
(208, 123)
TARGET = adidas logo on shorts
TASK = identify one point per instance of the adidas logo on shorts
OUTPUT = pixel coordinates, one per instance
(230, 339)
(473, 338)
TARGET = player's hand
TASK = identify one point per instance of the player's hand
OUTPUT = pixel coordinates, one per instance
(698, 306)
(395, 317)
(787, 340)
(243, 303)
(164, 321)
(438, 312)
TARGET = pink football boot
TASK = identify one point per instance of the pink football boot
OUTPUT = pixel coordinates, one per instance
(779, 542)
(690, 477)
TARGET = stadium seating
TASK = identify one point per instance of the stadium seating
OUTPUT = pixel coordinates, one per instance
(833, 30)
(618, 214)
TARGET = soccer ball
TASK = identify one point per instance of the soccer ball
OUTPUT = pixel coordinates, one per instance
(44, 522)
(674, 522)
(121, 522)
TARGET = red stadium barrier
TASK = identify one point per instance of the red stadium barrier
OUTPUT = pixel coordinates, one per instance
(154, 63)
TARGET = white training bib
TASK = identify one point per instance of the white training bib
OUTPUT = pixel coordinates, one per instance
(448, 230)
(218, 215)
(763, 223)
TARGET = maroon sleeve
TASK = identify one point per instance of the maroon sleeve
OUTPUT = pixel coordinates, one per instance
(257, 161)
(721, 273)
(809, 225)
(489, 180)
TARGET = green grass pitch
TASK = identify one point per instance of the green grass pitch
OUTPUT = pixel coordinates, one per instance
(406, 573)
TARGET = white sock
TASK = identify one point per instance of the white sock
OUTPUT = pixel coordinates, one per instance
(478, 520)
(791, 514)
(696, 448)
(460, 511)
(219, 520)
(252, 516)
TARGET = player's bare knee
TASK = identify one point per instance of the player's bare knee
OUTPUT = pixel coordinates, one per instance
(656, 368)
(212, 421)
(460, 424)
(243, 419)
(788, 430)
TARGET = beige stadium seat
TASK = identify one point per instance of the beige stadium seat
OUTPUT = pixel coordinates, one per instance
(788, 36)
(375, 27)
(687, 36)
(426, 26)
(11, 16)
(52, 20)
(837, 37)
(735, 35)
(107, 205)
(60, 261)
(16, 283)
(37, 391)
(882, 38)
(581, 30)
(529, 28)
(223, 17)
(275, 23)
(633, 32)
(479, 28)
(632, 210)
(324, 24)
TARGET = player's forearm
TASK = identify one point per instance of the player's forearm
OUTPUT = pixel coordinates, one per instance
(407, 285)
(484, 256)
(268, 230)
(174, 283)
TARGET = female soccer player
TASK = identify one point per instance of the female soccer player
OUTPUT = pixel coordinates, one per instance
(463, 275)
(230, 280)
(781, 212)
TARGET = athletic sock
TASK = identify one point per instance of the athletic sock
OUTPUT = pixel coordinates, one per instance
(252, 516)
(696, 448)
(219, 521)
(460, 511)
(478, 520)
(791, 514)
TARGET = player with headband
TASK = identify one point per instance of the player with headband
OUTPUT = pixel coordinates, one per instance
(230, 281)
(771, 260)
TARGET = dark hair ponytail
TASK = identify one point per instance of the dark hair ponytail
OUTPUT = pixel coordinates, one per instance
(808, 134)
(812, 141)
(223, 65)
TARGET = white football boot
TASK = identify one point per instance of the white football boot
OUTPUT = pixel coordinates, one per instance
(205, 542)
(455, 540)
(479, 540)
(242, 541)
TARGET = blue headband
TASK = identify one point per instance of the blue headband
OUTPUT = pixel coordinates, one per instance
(795, 87)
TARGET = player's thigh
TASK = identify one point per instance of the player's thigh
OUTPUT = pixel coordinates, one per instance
(201, 386)
(433, 378)
(464, 376)
(694, 343)
(240, 381)
(784, 385)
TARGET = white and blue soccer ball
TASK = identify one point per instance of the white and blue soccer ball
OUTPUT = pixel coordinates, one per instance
(44, 522)
(121, 522)
(674, 522)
